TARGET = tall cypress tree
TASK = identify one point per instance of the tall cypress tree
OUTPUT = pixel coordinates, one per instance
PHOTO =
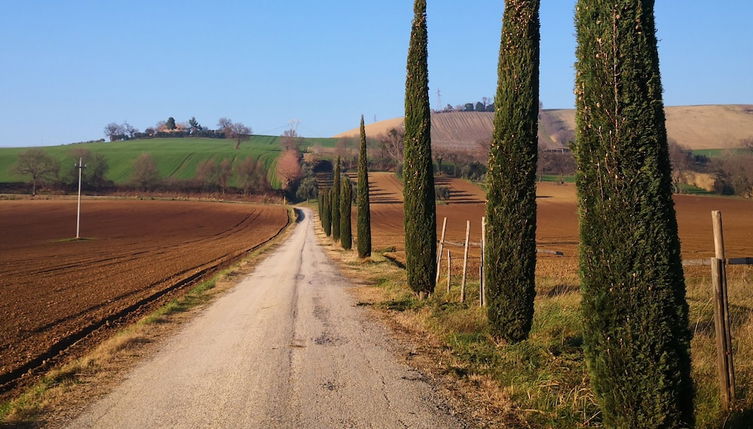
(320, 206)
(420, 209)
(335, 204)
(511, 206)
(346, 201)
(326, 212)
(636, 334)
(364, 211)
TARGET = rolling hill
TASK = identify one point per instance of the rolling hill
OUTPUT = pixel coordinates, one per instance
(176, 158)
(695, 127)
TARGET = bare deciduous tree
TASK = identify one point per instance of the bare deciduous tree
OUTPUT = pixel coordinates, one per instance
(114, 131)
(37, 164)
(290, 140)
(234, 130)
(252, 175)
(145, 173)
(206, 173)
(224, 172)
(392, 145)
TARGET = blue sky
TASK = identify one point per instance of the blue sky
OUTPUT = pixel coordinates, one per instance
(67, 68)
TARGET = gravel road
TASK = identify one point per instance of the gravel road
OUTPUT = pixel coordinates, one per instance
(286, 348)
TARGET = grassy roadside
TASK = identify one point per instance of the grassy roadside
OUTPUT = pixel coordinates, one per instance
(543, 382)
(66, 390)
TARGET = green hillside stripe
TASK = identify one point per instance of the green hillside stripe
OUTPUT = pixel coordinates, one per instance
(176, 158)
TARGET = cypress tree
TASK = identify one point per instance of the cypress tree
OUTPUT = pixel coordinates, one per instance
(420, 210)
(326, 212)
(636, 334)
(319, 208)
(511, 206)
(346, 201)
(364, 213)
(335, 218)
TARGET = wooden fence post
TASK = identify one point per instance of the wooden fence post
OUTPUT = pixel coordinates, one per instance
(725, 363)
(482, 288)
(449, 270)
(465, 259)
(441, 247)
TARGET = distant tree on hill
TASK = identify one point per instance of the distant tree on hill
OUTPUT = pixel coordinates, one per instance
(170, 123)
(490, 107)
(234, 130)
(194, 126)
(114, 132)
(36, 164)
(129, 130)
(223, 124)
(480, 107)
(468, 107)
(145, 174)
(290, 140)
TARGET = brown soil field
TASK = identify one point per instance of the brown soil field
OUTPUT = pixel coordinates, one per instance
(557, 227)
(55, 291)
(695, 127)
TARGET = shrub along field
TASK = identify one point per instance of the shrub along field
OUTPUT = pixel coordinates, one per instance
(545, 377)
(175, 158)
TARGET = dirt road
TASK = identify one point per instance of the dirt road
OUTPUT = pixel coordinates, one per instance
(286, 348)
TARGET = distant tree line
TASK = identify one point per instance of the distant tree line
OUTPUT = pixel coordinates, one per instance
(226, 128)
(247, 176)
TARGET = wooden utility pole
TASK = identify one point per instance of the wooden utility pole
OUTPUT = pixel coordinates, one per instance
(465, 259)
(80, 166)
(725, 363)
(441, 247)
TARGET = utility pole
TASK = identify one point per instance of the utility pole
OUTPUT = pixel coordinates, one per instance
(80, 166)
(439, 100)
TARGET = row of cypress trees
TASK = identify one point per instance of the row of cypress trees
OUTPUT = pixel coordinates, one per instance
(335, 205)
(636, 336)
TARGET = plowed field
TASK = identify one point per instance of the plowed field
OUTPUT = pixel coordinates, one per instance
(55, 291)
(557, 227)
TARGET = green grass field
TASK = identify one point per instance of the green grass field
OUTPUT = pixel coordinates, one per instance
(176, 158)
